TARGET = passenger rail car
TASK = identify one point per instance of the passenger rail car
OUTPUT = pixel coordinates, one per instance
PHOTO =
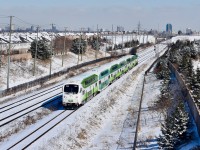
(79, 89)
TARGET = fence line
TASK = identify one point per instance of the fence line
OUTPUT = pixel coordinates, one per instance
(188, 97)
(44, 79)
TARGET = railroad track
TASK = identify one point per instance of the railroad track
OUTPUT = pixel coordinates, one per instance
(23, 111)
(32, 136)
(38, 132)
(15, 114)
(28, 99)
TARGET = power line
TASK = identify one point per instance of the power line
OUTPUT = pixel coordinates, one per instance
(26, 22)
(4, 16)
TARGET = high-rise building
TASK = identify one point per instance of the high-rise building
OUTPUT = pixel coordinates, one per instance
(169, 28)
(188, 31)
(53, 28)
(32, 28)
(89, 29)
(120, 29)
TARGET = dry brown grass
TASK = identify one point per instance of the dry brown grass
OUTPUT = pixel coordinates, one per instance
(82, 134)
(17, 57)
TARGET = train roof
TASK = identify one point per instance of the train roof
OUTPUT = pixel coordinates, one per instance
(78, 79)
(108, 65)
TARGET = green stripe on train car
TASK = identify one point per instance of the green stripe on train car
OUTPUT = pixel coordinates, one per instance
(85, 97)
(95, 90)
(112, 78)
(119, 74)
(126, 69)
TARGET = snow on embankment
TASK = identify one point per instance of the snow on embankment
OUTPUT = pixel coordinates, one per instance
(189, 37)
(141, 38)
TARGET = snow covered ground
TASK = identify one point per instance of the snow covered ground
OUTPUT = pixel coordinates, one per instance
(96, 125)
(108, 120)
(150, 120)
(189, 37)
(88, 128)
(196, 64)
(21, 72)
(141, 38)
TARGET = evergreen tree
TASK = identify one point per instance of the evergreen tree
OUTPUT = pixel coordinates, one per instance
(174, 129)
(196, 87)
(180, 120)
(79, 46)
(193, 52)
(166, 140)
(189, 67)
(163, 72)
(193, 80)
(43, 50)
(198, 75)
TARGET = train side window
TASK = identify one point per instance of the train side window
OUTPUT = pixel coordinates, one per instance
(80, 90)
(100, 82)
(83, 92)
(109, 77)
(95, 84)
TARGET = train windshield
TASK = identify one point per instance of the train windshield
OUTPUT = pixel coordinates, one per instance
(71, 88)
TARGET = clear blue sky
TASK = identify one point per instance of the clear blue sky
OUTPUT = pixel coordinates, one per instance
(152, 14)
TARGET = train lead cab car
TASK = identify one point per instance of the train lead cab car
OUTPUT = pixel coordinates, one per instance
(79, 89)
(71, 94)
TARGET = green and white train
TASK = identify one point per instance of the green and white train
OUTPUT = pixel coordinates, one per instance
(79, 89)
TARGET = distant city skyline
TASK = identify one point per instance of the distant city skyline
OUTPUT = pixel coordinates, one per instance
(74, 14)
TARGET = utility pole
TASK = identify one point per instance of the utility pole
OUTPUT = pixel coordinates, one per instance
(112, 35)
(79, 48)
(81, 44)
(106, 45)
(51, 51)
(9, 49)
(122, 42)
(131, 40)
(127, 40)
(1, 52)
(143, 37)
(64, 48)
(36, 47)
(115, 39)
(139, 26)
(115, 46)
(97, 46)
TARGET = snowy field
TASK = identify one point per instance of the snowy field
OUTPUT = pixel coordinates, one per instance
(150, 120)
(118, 39)
(21, 72)
(97, 124)
(106, 122)
(190, 38)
